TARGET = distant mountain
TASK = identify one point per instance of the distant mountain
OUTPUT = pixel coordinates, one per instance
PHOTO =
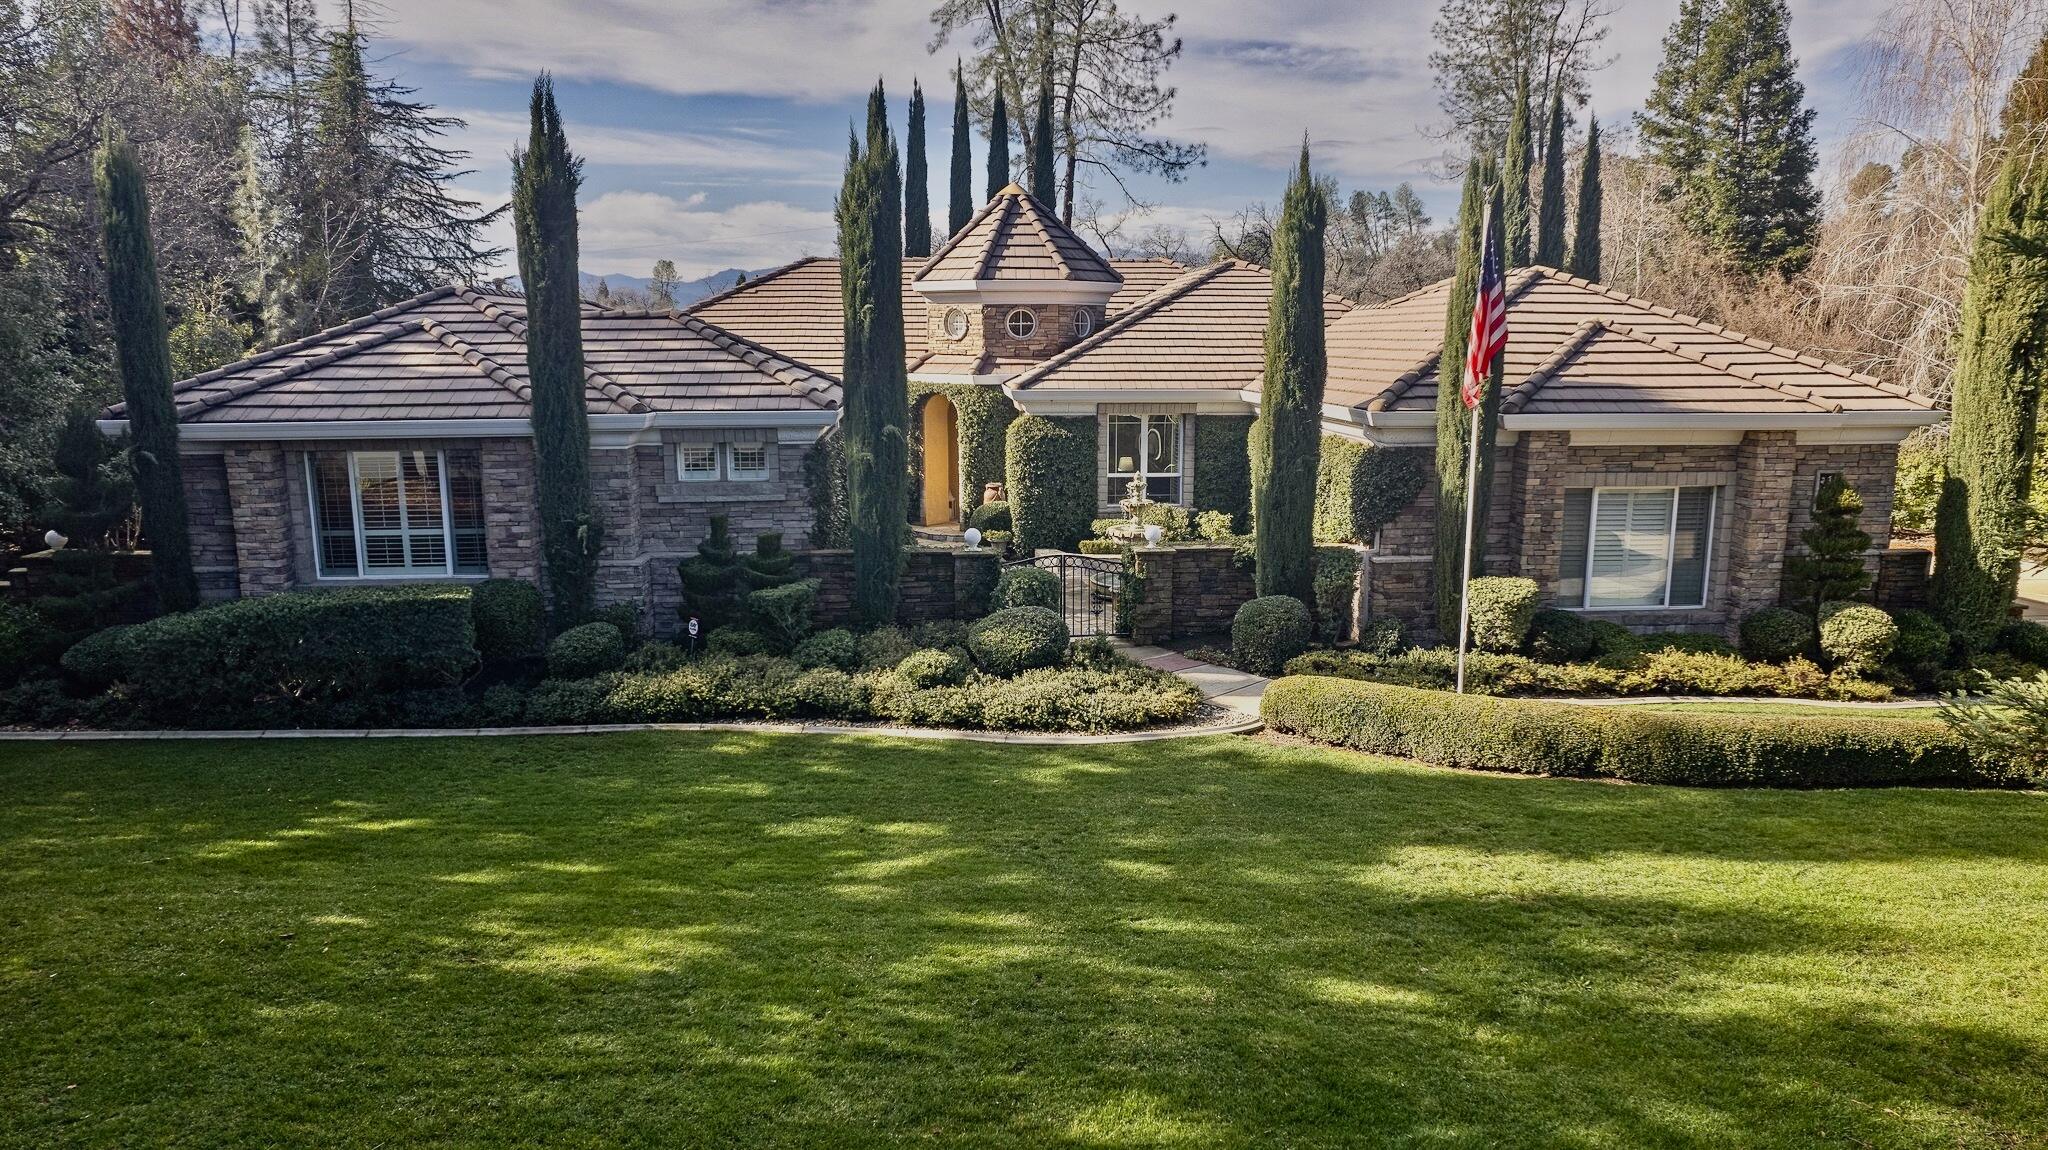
(687, 291)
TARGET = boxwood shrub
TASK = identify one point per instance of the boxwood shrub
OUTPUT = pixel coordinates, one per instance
(1921, 647)
(931, 668)
(1267, 632)
(1775, 634)
(1639, 746)
(1663, 672)
(1559, 636)
(1503, 607)
(581, 652)
(991, 516)
(1018, 639)
(1856, 635)
(2025, 639)
(1051, 480)
(1027, 587)
(510, 618)
(836, 648)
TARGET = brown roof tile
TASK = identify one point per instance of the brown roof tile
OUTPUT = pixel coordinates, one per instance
(1014, 237)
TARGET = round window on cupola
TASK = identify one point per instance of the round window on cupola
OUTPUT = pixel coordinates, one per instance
(1022, 322)
(1084, 323)
(956, 323)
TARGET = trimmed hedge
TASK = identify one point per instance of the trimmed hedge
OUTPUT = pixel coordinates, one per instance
(1639, 746)
(1361, 487)
(1502, 607)
(581, 652)
(1267, 632)
(510, 618)
(1223, 481)
(1051, 480)
(2025, 639)
(1018, 639)
(1026, 587)
(1775, 634)
(1560, 636)
(1660, 672)
(1856, 635)
(930, 668)
(989, 517)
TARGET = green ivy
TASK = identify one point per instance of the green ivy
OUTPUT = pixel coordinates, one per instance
(984, 415)
(1051, 478)
(1360, 487)
(1223, 470)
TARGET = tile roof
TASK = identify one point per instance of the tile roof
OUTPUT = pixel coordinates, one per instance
(1579, 348)
(457, 353)
(795, 308)
(1204, 330)
(1014, 237)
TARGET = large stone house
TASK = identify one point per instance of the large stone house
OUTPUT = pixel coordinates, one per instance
(1653, 468)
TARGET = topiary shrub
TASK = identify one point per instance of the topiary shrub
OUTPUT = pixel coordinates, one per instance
(2024, 639)
(1051, 480)
(1503, 607)
(1223, 482)
(1560, 636)
(1856, 636)
(991, 516)
(1776, 634)
(581, 652)
(782, 614)
(1361, 487)
(1921, 648)
(1335, 588)
(1382, 637)
(711, 580)
(929, 668)
(1267, 632)
(510, 618)
(624, 616)
(1027, 587)
(1018, 639)
(884, 647)
(836, 648)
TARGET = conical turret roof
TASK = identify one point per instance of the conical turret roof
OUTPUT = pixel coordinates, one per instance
(1016, 238)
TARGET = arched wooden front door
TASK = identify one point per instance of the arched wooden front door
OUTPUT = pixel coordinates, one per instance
(941, 462)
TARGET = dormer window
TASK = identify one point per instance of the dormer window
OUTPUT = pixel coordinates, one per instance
(956, 323)
(1022, 322)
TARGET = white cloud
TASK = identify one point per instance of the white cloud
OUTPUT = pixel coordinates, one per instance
(625, 232)
(491, 134)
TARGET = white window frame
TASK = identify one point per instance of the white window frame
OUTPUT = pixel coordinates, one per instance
(1118, 480)
(738, 474)
(355, 502)
(684, 475)
(955, 324)
(1670, 550)
(1030, 323)
(1084, 323)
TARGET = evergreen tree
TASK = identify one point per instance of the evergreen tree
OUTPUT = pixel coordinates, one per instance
(1831, 568)
(661, 284)
(917, 211)
(1289, 428)
(348, 166)
(545, 177)
(1044, 177)
(998, 148)
(1550, 206)
(143, 351)
(712, 580)
(1453, 419)
(93, 492)
(1980, 519)
(876, 389)
(1586, 238)
(1727, 119)
(1515, 180)
(960, 201)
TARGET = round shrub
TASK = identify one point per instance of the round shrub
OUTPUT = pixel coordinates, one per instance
(1267, 632)
(1611, 638)
(836, 648)
(96, 661)
(1922, 646)
(884, 647)
(1027, 587)
(1502, 610)
(1382, 637)
(1856, 635)
(581, 652)
(1018, 639)
(624, 616)
(1560, 636)
(990, 516)
(2025, 639)
(1775, 634)
(940, 633)
(510, 618)
(930, 668)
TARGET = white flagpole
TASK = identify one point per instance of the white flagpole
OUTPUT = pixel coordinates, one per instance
(1465, 556)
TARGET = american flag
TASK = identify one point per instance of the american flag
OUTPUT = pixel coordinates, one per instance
(1489, 317)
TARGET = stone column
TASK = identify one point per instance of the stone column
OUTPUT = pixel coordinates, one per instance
(262, 517)
(1761, 506)
(1541, 554)
(511, 523)
(1152, 609)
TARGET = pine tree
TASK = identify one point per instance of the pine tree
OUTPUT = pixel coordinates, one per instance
(1550, 207)
(1289, 428)
(1515, 179)
(1453, 418)
(1044, 177)
(143, 351)
(545, 177)
(917, 211)
(661, 284)
(1831, 568)
(1980, 519)
(998, 148)
(960, 201)
(1586, 238)
(348, 171)
(1727, 119)
(876, 401)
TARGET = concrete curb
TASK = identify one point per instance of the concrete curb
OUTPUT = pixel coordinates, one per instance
(1239, 726)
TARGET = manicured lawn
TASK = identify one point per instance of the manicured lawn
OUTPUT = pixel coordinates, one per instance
(720, 940)
(1927, 714)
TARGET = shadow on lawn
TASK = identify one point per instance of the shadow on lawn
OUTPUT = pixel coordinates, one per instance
(798, 941)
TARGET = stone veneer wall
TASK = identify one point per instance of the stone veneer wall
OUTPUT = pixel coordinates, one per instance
(988, 330)
(212, 523)
(1187, 589)
(937, 584)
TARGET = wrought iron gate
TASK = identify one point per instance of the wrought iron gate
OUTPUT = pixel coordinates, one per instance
(1090, 589)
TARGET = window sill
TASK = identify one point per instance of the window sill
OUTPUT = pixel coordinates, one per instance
(405, 577)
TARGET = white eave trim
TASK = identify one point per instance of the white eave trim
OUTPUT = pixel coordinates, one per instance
(959, 379)
(1015, 291)
(611, 430)
(1063, 401)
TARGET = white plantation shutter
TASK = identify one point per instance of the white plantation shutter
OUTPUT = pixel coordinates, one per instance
(1690, 547)
(1631, 547)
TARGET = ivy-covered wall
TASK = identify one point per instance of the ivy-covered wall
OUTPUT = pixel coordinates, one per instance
(1360, 487)
(1051, 477)
(1223, 469)
(984, 417)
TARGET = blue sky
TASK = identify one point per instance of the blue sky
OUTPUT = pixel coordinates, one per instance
(714, 130)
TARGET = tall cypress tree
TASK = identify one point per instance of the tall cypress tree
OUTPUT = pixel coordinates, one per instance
(142, 346)
(876, 388)
(1515, 178)
(1044, 175)
(1586, 237)
(1289, 428)
(1550, 207)
(998, 148)
(1453, 419)
(545, 177)
(917, 208)
(1979, 521)
(960, 205)
(347, 175)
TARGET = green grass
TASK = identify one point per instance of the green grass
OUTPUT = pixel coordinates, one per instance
(1928, 714)
(716, 940)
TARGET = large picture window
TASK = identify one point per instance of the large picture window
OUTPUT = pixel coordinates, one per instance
(1637, 547)
(1147, 447)
(396, 514)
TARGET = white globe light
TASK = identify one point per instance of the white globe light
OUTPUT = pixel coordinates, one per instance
(973, 537)
(56, 539)
(1153, 534)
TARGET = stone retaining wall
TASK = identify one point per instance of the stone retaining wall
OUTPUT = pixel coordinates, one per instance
(937, 584)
